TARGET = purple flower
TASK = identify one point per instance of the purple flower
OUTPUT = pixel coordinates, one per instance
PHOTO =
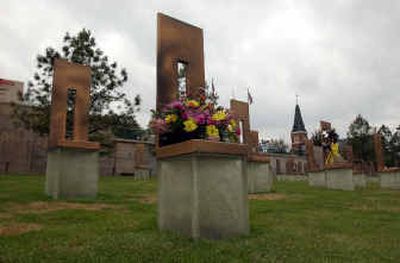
(200, 118)
(184, 115)
(210, 121)
(177, 105)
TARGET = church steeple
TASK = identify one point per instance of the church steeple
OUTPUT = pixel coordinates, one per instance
(298, 124)
(299, 132)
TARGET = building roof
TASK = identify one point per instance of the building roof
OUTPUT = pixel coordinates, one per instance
(10, 91)
(298, 124)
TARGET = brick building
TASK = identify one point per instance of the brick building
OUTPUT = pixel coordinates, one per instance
(295, 162)
(23, 151)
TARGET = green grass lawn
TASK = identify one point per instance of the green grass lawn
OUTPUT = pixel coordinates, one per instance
(296, 223)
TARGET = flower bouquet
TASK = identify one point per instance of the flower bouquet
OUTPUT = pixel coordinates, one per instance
(186, 119)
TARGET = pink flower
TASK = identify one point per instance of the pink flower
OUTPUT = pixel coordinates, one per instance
(238, 131)
(200, 118)
(184, 115)
(158, 126)
(176, 105)
(210, 121)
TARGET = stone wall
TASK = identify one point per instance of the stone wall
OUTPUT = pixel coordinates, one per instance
(288, 164)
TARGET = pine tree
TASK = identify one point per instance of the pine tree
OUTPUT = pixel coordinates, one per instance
(395, 142)
(111, 113)
(359, 136)
(387, 139)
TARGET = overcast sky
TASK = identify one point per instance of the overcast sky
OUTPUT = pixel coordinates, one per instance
(342, 57)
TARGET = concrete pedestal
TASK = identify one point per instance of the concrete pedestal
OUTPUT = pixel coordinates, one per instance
(340, 179)
(372, 179)
(390, 179)
(203, 195)
(72, 173)
(359, 180)
(317, 178)
(142, 174)
(259, 177)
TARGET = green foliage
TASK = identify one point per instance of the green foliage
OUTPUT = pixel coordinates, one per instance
(316, 137)
(391, 145)
(359, 136)
(281, 146)
(387, 137)
(301, 224)
(359, 128)
(395, 143)
(274, 146)
(109, 107)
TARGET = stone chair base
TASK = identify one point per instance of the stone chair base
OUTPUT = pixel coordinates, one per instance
(390, 178)
(259, 174)
(317, 178)
(359, 180)
(340, 179)
(203, 194)
(72, 173)
(142, 173)
(292, 178)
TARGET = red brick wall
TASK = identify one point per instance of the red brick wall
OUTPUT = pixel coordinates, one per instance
(21, 151)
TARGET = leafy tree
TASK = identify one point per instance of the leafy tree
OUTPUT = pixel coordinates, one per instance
(316, 137)
(280, 144)
(395, 143)
(359, 128)
(274, 146)
(359, 136)
(388, 150)
(111, 113)
(386, 135)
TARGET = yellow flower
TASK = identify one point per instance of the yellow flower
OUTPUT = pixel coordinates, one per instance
(212, 131)
(170, 118)
(230, 128)
(219, 116)
(190, 125)
(192, 103)
(233, 123)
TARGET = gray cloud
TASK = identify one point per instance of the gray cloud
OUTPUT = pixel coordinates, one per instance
(342, 57)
